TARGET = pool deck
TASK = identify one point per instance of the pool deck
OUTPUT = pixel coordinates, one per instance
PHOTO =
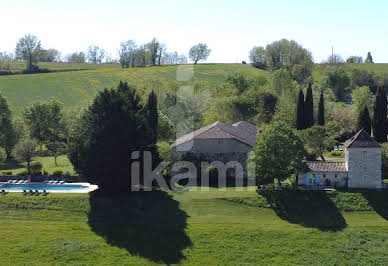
(89, 188)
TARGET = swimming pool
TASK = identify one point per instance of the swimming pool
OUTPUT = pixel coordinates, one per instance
(69, 188)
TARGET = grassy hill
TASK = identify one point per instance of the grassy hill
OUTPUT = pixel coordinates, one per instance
(195, 228)
(76, 87)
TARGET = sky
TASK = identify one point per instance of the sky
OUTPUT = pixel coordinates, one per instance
(230, 28)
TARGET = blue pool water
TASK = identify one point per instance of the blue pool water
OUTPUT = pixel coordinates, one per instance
(40, 186)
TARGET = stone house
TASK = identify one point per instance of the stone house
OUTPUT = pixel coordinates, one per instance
(361, 169)
(219, 142)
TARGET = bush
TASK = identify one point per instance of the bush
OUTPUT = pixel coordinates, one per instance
(337, 153)
(45, 172)
(58, 172)
(23, 172)
(36, 168)
(3, 154)
(6, 172)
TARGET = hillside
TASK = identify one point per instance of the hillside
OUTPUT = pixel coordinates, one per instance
(75, 87)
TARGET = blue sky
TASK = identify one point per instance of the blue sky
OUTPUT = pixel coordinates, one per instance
(230, 28)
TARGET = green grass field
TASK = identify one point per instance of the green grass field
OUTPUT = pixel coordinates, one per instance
(73, 88)
(195, 228)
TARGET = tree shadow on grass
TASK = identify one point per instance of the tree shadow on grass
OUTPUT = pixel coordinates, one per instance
(10, 164)
(147, 224)
(378, 200)
(307, 208)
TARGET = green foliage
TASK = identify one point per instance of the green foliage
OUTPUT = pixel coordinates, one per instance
(364, 121)
(58, 172)
(362, 98)
(318, 139)
(166, 129)
(369, 59)
(321, 110)
(257, 57)
(309, 108)
(24, 172)
(8, 136)
(384, 158)
(55, 149)
(6, 172)
(44, 120)
(379, 120)
(337, 79)
(24, 151)
(278, 153)
(336, 153)
(291, 56)
(264, 104)
(3, 154)
(239, 81)
(300, 115)
(36, 168)
(152, 117)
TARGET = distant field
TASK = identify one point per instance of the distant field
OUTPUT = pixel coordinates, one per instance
(378, 68)
(76, 87)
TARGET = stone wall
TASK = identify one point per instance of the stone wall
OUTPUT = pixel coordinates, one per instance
(335, 178)
(364, 167)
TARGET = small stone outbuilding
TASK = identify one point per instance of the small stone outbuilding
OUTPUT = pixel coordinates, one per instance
(361, 169)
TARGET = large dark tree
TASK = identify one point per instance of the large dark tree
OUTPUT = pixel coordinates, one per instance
(300, 123)
(152, 117)
(364, 121)
(321, 110)
(8, 137)
(369, 58)
(108, 132)
(309, 108)
(379, 120)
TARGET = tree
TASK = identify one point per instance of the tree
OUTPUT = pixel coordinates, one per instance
(239, 81)
(309, 108)
(278, 153)
(161, 49)
(152, 117)
(321, 110)
(76, 58)
(364, 121)
(318, 139)
(291, 56)
(199, 52)
(95, 54)
(369, 58)
(334, 59)
(166, 129)
(44, 120)
(153, 48)
(109, 131)
(50, 55)
(55, 149)
(257, 57)
(337, 79)
(8, 137)
(28, 49)
(126, 53)
(355, 60)
(379, 120)
(300, 121)
(362, 97)
(24, 151)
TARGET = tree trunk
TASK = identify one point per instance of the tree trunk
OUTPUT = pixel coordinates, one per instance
(323, 158)
(55, 160)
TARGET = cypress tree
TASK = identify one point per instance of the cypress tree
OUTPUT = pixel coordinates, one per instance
(379, 120)
(364, 121)
(152, 117)
(321, 111)
(300, 112)
(309, 108)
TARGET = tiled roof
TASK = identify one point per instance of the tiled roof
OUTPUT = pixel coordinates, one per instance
(242, 131)
(362, 140)
(326, 167)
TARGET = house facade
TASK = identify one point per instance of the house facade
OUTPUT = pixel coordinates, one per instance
(361, 169)
(219, 142)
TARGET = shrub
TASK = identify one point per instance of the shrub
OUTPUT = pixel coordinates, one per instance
(3, 154)
(23, 172)
(67, 174)
(337, 153)
(58, 172)
(6, 172)
(45, 172)
(36, 168)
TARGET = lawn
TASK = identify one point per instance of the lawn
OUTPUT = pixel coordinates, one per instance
(48, 163)
(77, 87)
(195, 228)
